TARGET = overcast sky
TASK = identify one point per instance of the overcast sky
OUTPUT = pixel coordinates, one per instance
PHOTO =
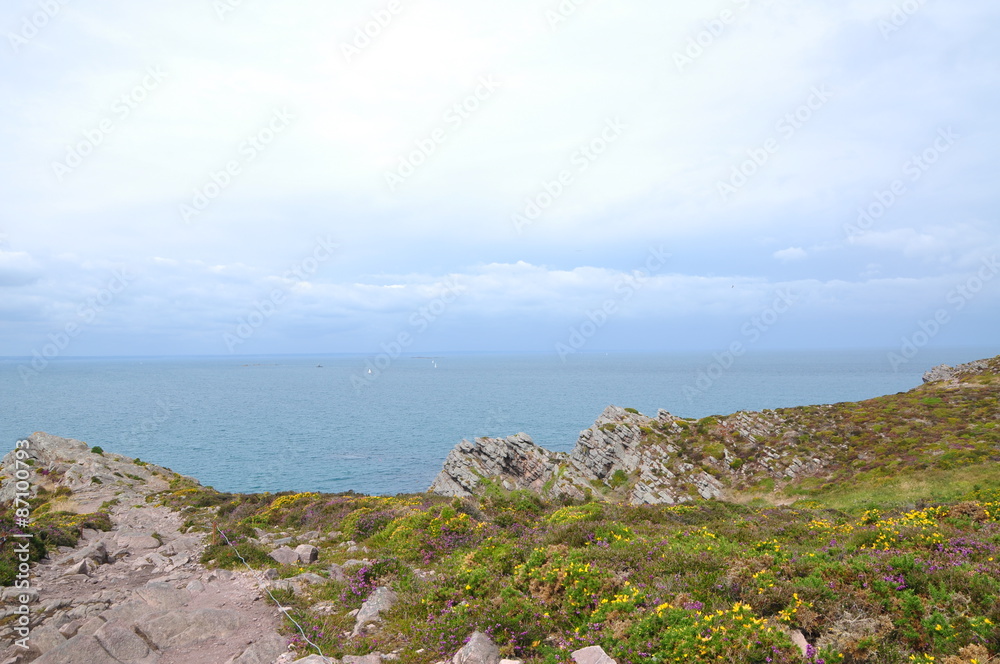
(253, 177)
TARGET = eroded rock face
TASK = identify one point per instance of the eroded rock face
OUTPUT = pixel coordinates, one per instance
(630, 456)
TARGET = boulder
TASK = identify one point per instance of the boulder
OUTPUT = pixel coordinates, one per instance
(592, 655)
(479, 650)
(381, 600)
(81, 648)
(285, 556)
(373, 658)
(121, 641)
(307, 553)
(265, 651)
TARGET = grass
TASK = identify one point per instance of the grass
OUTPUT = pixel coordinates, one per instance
(707, 581)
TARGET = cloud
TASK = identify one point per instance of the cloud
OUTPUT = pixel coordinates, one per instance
(791, 254)
(17, 268)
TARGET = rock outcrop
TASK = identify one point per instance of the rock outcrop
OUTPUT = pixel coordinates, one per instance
(629, 456)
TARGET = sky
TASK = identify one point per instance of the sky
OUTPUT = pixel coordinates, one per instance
(240, 177)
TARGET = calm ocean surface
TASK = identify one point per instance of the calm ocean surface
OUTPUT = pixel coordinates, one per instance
(284, 423)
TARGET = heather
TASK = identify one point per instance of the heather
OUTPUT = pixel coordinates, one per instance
(889, 553)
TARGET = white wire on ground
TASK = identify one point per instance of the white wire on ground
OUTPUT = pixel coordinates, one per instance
(268, 591)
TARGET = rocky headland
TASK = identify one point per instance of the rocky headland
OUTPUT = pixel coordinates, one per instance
(669, 460)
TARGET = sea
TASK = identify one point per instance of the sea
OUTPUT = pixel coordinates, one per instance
(324, 423)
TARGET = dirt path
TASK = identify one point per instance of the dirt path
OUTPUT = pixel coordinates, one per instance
(136, 594)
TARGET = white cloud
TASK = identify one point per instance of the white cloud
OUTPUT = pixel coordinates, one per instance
(791, 254)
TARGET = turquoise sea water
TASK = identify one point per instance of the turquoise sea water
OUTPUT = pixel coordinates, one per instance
(298, 423)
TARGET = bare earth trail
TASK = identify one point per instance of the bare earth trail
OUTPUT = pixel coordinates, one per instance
(136, 594)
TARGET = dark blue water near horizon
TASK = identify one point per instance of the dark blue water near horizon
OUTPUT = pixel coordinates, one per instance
(297, 423)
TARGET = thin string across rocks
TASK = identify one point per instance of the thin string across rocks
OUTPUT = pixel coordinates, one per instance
(280, 607)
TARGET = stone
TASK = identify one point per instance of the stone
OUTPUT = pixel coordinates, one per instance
(77, 650)
(195, 586)
(84, 567)
(138, 541)
(44, 639)
(511, 661)
(281, 541)
(800, 640)
(307, 553)
(121, 641)
(337, 572)
(285, 556)
(308, 579)
(315, 659)
(70, 629)
(163, 596)
(179, 629)
(382, 599)
(271, 574)
(373, 658)
(264, 651)
(592, 655)
(479, 650)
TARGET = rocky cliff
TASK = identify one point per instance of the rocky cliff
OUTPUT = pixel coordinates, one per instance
(667, 459)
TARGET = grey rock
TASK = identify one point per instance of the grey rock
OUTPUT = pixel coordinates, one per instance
(373, 658)
(378, 602)
(77, 650)
(138, 541)
(46, 638)
(307, 553)
(163, 596)
(592, 655)
(264, 651)
(285, 556)
(337, 572)
(479, 650)
(121, 641)
(84, 567)
(281, 541)
(271, 574)
(70, 629)
(178, 629)
(308, 579)
(315, 659)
